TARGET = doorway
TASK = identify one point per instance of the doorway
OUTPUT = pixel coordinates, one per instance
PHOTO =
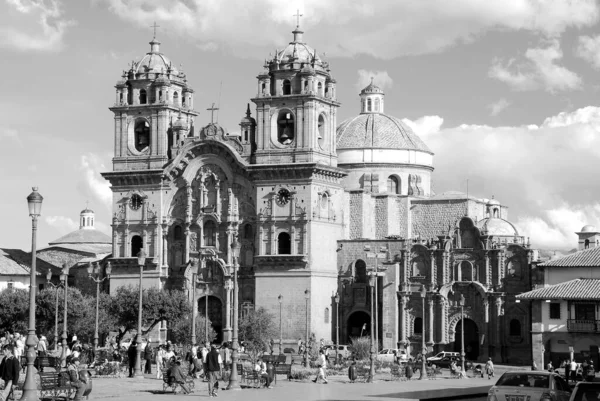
(471, 339)
(215, 314)
(359, 324)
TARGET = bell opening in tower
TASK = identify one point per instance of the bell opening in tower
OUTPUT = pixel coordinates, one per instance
(285, 127)
(142, 135)
(321, 131)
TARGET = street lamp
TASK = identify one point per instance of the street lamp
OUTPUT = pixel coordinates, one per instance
(56, 287)
(462, 333)
(64, 277)
(307, 297)
(423, 374)
(337, 326)
(94, 274)
(141, 259)
(194, 275)
(372, 282)
(233, 378)
(34, 201)
(280, 298)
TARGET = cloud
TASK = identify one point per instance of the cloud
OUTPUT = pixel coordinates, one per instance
(33, 25)
(11, 134)
(529, 168)
(93, 185)
(62, 224)
(538, 71)
(499, 106)
(588, 48)
(380, 78)
(345, 28)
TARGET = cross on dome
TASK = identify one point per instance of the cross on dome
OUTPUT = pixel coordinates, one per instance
(212, 113)
(298, 15)
(154, 26)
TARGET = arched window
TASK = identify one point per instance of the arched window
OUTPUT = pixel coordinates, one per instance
(369, 103)
(248, 231)
(136, 245)
(143, 96)
(587, 243)
(177, 233)
(515, 328)
(287, 87)
(175, 98)
(305, 86)
(320, 89)
(263, 87)
(245, 135)
(495, 213)
(360, 271)
(285, 127)
(392, 185)
(142, 135)
(210, 233)
(466, 271)
(121, 97)
(284, 244)
(418, 267)
(129, 94)
(321, 130)
(326, 315)
(418, 326)
(377, 104)
(183, 97)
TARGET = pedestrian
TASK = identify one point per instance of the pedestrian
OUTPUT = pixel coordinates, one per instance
(213, 368)
(19, 346)
(567, 370)
(322, 364)
(42, 346)
(299, 346)
(409, 369)
(352, 371)
(175, 375)
(226, 356)
(489, 368)
(148, 357)
(73, 369)
(549, 367)
(132, 354)
(573, 370)
(9, 370)
(160, 354)
(203, 354)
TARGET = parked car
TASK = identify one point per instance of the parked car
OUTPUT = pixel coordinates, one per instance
(444, 359)
(585, 391)
(391, 354)
(530, 386)
(343, 351)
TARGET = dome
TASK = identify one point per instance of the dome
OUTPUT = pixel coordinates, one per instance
(155, 61)
(496, 226)
(299, 52)
(588, 229)
(86, 210)
(376, 130)
(162, 79)
(371, 88)
(493, 202)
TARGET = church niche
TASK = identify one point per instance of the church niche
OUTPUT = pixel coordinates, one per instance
(141, 135)
(285, 127)
(468, 235)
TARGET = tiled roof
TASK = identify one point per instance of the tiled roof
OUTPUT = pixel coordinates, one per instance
(83, 236)
(585, 258)
(10, 267)
(580, 288)
(18, 262)
(380, 131)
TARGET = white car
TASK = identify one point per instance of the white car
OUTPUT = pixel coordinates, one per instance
(391, 354)
(343, 351)
(530, 386)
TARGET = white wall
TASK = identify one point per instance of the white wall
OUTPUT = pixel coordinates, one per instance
(21, 282)
(557, 275)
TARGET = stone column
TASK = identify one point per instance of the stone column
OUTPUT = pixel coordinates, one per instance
(165, 245)
(228, 306)
(430, 341)
(402, 319)
(218, 198)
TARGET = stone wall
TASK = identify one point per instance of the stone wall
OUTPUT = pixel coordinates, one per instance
(431, 219)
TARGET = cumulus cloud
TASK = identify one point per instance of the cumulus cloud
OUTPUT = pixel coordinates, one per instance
(588, 48)
(93, 185)
(33, 25)
(380, 78)
(539, 70)
(543, 171)
(427, 26)
(62, 224)
(498, 106)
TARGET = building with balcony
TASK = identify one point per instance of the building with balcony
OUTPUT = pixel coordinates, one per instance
(565, 307)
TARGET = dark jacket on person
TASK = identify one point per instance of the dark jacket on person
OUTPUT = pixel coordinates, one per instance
(212, 361)
(9, 369)
(132, 354)
(148, 352)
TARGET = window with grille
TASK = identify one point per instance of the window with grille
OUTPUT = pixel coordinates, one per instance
(555, 310)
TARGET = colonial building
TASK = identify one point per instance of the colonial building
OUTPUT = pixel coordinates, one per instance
(303, 195)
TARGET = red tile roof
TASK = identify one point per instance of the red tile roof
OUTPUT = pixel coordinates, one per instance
(580, 288)
(584, 258)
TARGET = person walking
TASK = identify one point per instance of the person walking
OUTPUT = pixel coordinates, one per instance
(148, 357)
(322, 363)
(489, 368)
(203, 354)
(213, 367)
(573, 370)
(9, 370)
(131, 355)
(567, 370)
(160, 355)
(409, 369)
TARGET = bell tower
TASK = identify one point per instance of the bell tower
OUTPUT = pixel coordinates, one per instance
(296, 107)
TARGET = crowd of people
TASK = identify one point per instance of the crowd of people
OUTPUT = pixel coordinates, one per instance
(574, 370)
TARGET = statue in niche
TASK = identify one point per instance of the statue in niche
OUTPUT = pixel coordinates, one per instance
(418, 267)
(193, 241)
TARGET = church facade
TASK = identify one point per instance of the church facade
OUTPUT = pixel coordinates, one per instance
(311, 202)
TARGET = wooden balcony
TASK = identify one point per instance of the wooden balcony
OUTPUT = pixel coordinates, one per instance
(583, 326)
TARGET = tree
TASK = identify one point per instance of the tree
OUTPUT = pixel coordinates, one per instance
(182, 329)
(256, 330)
(14, 310)
(157, 305)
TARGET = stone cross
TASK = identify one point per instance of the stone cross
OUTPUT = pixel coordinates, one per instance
(298, 15)
(154, 26)
(212, 112)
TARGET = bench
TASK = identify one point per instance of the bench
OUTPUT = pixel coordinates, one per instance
(54, 385)
(41, 362)
(253, 377)
(397, 372)
(283, 369)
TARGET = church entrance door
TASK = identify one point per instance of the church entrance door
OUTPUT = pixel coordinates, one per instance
(215, 314)
(471, 339)
(359, 324)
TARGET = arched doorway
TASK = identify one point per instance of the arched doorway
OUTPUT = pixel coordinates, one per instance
(471, 339)
(215, 314)
(359, 324)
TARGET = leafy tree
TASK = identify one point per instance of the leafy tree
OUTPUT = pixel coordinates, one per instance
(181, 330)
(256, 330)
(157, 305)
(14, 310)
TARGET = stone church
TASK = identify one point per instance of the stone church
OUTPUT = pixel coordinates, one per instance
(317, 206)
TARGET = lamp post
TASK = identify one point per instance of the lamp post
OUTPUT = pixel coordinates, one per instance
(280, 299)
(378, 254)
(34, 202)
(141, 259)
(307, 297)
(462, 333)
(56, 287)
(337, 326)
(64, 277)
(94, 275)
(205, 310)
(423, 374)
(194, 303)
(233, 378)
(372, 281)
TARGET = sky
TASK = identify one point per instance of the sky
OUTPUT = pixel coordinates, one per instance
(504, 92)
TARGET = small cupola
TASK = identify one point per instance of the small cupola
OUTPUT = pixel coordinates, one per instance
(86, 219)
(371, 99)
(589, 237)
